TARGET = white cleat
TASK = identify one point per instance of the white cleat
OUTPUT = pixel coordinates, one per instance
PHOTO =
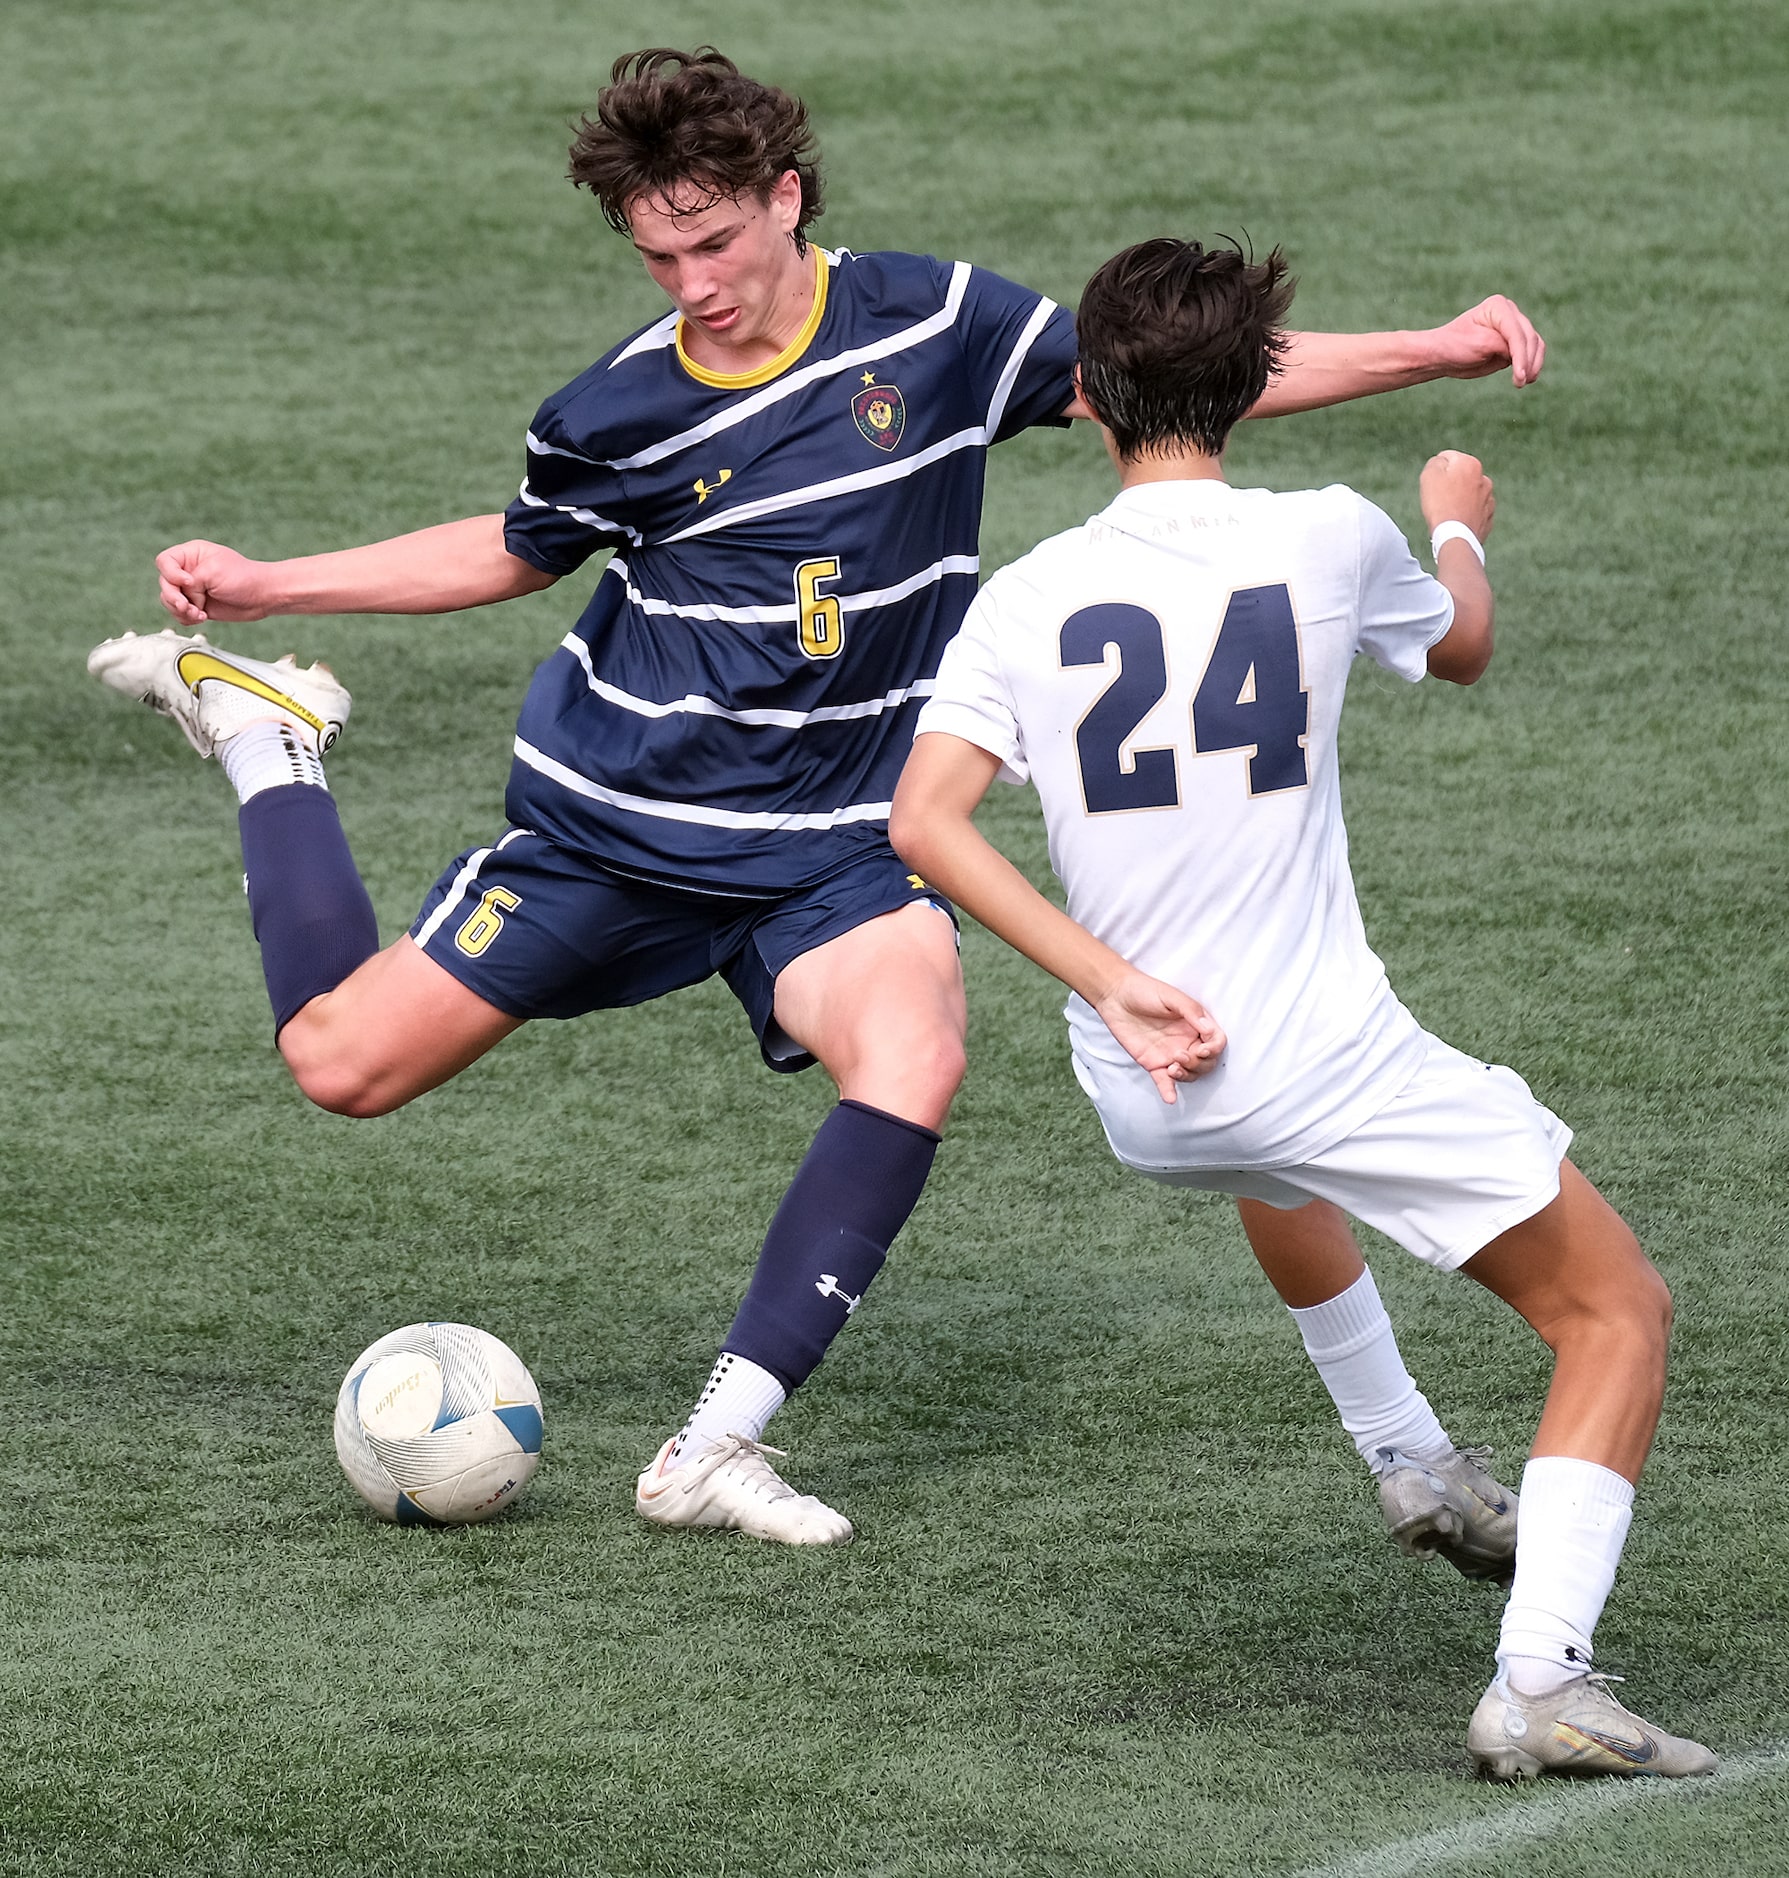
(1577, 1729)
(734, 1486)
(211, 694)
(1452, 1508)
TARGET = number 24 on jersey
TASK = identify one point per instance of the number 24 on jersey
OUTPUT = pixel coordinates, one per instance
(1250, 698)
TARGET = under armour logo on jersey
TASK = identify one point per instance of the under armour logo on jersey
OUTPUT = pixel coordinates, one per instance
(828, 1286)
(705, 490)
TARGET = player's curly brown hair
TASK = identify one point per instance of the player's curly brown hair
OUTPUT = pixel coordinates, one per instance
(670, 118)
(1178, 342)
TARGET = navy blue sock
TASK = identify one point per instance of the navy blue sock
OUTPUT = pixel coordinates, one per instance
(311, 913)
(852, 1193)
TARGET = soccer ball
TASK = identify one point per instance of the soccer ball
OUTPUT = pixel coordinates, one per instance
(438, 1425)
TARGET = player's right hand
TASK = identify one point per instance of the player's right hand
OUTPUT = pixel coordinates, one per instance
(1455, 488)
(1171, 1035)
(202, 580)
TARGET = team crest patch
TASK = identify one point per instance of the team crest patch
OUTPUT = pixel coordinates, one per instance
(881, 415)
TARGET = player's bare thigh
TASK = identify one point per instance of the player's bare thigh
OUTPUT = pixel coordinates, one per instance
(395, 1027)
(882, 1008)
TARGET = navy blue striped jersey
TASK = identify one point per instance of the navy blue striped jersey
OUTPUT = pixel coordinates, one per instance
(794, 547)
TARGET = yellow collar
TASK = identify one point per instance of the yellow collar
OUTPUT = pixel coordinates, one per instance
(742, 381)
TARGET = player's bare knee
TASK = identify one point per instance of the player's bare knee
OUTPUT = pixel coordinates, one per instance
(1634, 1304)
(1649, 1298)
(1637, 1291)
(946, 1065)
(335, 1083)
(933, 1069)
(340, 1093)
(926, 1056)
(364, 1101)
(917, 1082)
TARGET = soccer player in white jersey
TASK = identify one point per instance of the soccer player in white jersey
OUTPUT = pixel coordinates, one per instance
(788, 466)
(1170, 676)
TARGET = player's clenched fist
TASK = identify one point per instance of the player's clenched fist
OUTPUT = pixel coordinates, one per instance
(202, 580)
(1455, 488)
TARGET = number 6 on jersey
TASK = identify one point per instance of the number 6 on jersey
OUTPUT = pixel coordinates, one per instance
(822, 618)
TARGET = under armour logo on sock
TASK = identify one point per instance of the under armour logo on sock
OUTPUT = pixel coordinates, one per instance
(828, 1287)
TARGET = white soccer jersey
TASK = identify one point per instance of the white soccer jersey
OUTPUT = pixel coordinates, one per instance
(1170, 676)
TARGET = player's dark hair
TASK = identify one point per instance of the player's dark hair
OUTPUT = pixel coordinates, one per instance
(1178, 342)
(693, 122)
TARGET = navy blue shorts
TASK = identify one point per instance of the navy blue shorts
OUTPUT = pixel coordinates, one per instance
(541, 932)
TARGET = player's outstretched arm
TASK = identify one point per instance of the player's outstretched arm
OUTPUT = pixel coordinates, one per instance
(435, 570)
(1455, 489)
(1172, 1035)
(1332, 368)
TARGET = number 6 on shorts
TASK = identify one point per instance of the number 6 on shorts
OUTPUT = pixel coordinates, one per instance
(485, 921)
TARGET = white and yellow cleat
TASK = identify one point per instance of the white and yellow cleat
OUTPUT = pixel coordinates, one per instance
(734, 1486)
(1577, 1729)
(211, 694)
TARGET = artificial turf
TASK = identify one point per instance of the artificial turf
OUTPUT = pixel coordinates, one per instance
(297, 277)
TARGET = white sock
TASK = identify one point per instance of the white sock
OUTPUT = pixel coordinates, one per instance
(270, 754)
(1570, 1530)
(739, 1400)
(1350, 1340)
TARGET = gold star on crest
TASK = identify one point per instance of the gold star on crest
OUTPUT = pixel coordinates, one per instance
(869, 378)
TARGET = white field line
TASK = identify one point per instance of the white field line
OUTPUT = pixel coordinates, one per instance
(1563, 1810)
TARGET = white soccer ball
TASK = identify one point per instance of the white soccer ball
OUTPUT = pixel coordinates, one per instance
(438, 1425)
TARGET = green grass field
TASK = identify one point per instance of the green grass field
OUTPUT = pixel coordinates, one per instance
(297, 277)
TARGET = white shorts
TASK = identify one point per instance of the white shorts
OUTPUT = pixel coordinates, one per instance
(1462, 1153)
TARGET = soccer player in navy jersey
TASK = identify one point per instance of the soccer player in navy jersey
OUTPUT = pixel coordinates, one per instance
(788, 469)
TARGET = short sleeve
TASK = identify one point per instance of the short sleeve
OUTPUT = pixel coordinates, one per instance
(970, 698)
(1020, 351)
(567, 509)
(1403, 610)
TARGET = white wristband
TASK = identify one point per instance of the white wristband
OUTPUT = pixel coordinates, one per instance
(1456, 531)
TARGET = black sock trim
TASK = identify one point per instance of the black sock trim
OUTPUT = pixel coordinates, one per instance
(900, 1121)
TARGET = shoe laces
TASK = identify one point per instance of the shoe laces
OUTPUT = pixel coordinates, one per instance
(748, 1460)
(1600, 1681)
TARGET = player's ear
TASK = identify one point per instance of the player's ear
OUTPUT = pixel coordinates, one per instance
(1081, 408)
(784, 201)
(1083, 405)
